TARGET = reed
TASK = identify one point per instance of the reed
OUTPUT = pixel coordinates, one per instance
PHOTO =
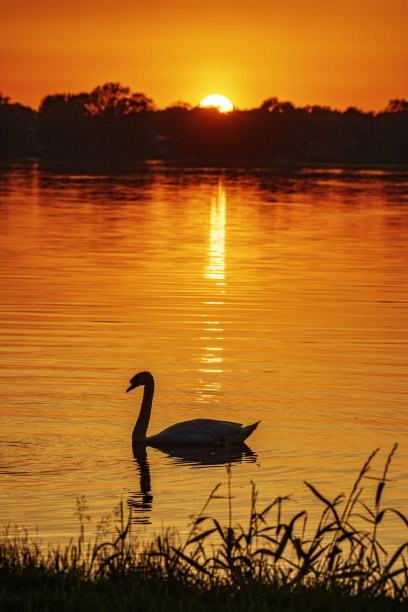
(340, 555)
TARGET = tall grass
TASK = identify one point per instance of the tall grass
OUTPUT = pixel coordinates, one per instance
(341, 552)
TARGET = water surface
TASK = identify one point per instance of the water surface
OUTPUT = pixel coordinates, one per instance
(249, 293)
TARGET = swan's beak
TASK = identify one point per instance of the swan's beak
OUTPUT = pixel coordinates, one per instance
(130, 388)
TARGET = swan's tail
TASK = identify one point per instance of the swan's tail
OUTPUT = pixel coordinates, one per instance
(249, 429)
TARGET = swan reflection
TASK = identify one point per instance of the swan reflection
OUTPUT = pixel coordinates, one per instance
(141, 501)
(202, 456)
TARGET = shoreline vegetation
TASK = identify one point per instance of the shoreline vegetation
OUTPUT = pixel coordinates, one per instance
(272, 563)
(112, 122)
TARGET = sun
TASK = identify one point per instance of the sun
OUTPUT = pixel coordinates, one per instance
(221, 102)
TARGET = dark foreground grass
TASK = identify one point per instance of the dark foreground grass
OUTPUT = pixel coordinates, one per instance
(37, 590)
(337, 564)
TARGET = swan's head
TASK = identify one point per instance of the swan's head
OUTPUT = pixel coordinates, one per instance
(143, 378)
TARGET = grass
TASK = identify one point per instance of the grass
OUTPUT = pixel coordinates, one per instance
(271, 563)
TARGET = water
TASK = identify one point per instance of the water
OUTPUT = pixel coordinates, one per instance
(250, 294)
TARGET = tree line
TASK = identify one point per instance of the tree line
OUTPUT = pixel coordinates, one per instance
(113, 121)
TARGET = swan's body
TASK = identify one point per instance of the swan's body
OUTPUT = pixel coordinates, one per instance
(197, 431)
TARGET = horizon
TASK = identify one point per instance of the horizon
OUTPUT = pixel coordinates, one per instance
(157, 107)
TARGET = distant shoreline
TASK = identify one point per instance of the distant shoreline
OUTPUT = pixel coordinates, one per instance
(124, 162)
(110, 123)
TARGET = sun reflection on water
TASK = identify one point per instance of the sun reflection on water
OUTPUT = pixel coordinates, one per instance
(211, 357)
(215, 268)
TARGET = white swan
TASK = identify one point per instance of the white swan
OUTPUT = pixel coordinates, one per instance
(197, 431)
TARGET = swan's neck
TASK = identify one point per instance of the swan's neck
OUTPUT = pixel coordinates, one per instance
(142, 423)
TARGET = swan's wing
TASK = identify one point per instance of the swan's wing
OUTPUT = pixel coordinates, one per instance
(211, 427)
(199, 431)
(224, 431)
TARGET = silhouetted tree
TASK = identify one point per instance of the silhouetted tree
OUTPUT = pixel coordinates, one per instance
(179, 105)
(4, 99)
(272, 105)
(353, 110)
(64, 126)
(106, 121)
(114, 99)
(269, 104)
(397, 106)
(317, 109)
(18, 126)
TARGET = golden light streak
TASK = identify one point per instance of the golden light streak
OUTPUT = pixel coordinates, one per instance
(216, 242)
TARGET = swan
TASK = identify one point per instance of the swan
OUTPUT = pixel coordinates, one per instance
(197, 431)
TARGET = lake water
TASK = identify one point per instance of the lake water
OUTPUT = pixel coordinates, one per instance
(248, 293)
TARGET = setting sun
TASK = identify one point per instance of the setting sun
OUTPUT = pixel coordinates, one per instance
(221, 102)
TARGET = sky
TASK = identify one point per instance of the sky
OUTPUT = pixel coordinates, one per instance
(353, 53)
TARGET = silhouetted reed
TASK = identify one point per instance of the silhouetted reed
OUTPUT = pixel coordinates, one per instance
(341, 552)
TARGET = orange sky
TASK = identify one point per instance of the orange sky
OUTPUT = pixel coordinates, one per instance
(308, 52)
